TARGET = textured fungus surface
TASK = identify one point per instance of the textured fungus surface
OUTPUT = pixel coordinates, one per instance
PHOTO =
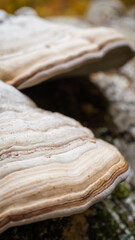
(33, 50)
(51, 166)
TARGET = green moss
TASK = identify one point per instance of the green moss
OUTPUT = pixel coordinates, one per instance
(124, 216)
(102, 225)
(132, 227)
(122, 191)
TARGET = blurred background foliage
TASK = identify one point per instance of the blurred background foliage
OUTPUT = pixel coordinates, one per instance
(52, 7)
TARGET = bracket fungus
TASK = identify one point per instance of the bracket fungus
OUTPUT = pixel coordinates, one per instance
(50, 165)
(38, 50)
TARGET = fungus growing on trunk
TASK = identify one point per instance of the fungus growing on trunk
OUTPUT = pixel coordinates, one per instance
(50, 165)
(33, 50)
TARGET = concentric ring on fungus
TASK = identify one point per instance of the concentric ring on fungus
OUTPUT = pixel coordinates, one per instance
(38, 50)
(50, 165)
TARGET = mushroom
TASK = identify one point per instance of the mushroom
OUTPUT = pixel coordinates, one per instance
(50, 165)
(38, 50)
